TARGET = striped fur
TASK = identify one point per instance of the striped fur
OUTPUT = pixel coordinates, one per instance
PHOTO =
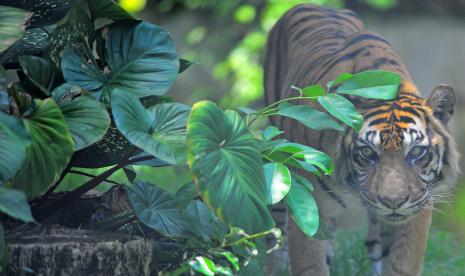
(394, 169)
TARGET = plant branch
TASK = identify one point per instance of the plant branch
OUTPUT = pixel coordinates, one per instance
(271, 107)
(92, 175)
(47, 211)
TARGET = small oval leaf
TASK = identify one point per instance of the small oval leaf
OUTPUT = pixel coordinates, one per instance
(343, 109)
(302, 207)
(278, 181)
(309, 117)
(374, 84)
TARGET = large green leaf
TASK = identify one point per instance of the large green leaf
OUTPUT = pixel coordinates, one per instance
(50, 150)
(157, 209)
(343, 109)
(278, 181)
(313, 91)
(302, 206)
(107, 9)
(12, 25)
(142, 60)
(159, 130)
(87, 118)
(374, 84)
(206, 225)
(224, 159)
(40, 72)
(309, 117)
(14, 140)
(14, 204)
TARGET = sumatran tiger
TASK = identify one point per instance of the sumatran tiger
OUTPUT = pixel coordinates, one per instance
(401, 161)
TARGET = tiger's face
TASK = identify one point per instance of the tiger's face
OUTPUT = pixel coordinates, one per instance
(404, 154)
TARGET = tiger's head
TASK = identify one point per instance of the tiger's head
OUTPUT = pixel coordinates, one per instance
(404, 158)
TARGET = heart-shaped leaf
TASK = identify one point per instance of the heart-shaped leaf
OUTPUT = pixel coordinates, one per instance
(42, 73)
(278, 181)
(206, 225)
(185, 195)
(157, 209)
(14, 204)
(374, 84)
(159, 130)
(50, 150)
(309, 117)
(224, 159)
(343, 109)
(142, 60)
(12, 25)
(302, 207)
(87, 118)
(14, 140)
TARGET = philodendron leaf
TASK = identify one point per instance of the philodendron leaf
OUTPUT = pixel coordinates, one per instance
(278, 181)
(157, 209)
(14, 141)
(42, 73)
(14, 204)
(206, 225)
(302, 207)
(12, 25)
(343, 109)
(309, 117)
(107, 9)
(142, 60)
(50, 150)
(224, 159)
(87, 118)
(159, 130)
(374, 84)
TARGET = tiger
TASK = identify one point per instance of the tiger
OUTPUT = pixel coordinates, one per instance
(391, 172)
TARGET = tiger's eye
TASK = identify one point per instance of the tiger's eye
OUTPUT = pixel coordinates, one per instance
(416, 153)
(368, 153)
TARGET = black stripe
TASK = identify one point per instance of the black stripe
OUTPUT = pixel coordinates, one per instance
(377, 121)
(406, 119)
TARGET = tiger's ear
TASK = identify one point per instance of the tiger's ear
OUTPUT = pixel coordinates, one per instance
(442, 100)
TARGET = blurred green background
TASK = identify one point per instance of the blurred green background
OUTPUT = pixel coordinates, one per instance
(226, 39)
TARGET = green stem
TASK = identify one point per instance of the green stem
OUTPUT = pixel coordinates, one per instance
(254, 236)
(263, 111)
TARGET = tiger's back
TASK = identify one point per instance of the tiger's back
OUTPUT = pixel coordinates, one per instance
(313, 45)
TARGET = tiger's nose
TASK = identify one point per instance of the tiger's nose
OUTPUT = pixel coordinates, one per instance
(393, 202)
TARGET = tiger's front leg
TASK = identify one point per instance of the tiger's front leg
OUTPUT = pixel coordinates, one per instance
(308, 257)
(404, 245)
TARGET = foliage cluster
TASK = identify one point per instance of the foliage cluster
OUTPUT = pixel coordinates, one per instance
(89, 96)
